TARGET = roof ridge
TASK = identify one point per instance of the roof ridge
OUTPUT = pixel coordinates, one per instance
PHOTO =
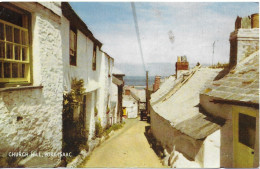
(177, 86)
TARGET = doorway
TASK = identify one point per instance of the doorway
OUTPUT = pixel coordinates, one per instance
(244, 134)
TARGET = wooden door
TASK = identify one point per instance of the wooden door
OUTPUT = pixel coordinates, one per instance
(244, 134)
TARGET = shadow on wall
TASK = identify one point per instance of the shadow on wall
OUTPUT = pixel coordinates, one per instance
(156, 146)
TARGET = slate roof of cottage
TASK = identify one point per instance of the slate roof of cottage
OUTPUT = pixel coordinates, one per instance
(168, 84)
(241, 84)
(182, 108)
(140, 93)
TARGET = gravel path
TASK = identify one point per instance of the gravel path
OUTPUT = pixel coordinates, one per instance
(128, 147)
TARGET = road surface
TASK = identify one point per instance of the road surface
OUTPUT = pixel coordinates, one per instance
(128, 147)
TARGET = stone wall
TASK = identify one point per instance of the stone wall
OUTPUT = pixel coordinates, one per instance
(31, 119)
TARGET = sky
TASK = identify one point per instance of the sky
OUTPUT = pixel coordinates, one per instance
(167, 29)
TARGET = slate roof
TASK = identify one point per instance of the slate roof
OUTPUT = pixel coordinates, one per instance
(117, 81)
(140, 93)
(182, 108)
(167, 86)
(241, 84)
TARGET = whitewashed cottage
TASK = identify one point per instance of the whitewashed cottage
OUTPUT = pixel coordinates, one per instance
(43, 47)
(31, 78)
(84, 59)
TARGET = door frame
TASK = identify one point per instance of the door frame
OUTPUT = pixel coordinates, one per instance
(235, 114)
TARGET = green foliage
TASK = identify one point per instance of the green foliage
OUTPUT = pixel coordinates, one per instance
(96, 111)
(108, 109)
(74, 133)
(98, 129)
(114, 127)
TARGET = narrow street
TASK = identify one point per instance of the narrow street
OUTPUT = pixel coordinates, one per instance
(128, 147)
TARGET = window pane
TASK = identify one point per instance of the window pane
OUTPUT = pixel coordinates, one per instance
(7, 71)
(17, 50)
(22, 71)
(2, 31)
(24, 37)
(10, 16)
(1, 70)
(15, 70)
(2, 50)
(24, 54)
(9, 34)
(247, 127)
(9, 53)
(16, 35)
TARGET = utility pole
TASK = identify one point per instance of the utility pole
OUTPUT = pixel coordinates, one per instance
(147, 98)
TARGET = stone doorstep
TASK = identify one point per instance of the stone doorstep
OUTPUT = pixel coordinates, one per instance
(83, 153)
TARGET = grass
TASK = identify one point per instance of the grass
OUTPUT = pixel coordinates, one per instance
(114, 127)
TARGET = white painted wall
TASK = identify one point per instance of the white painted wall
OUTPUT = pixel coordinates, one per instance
(131, 107)
(40, 128)
(114, 101)
(212, 151)
(94, 80)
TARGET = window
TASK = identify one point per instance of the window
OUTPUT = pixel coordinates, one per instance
(94, 59)
(109, 67)
(247, 128)
(14, 45)
(73, 47)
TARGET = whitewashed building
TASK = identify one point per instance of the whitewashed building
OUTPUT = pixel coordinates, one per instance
(87, 62)
(43, 47)
(31, 78)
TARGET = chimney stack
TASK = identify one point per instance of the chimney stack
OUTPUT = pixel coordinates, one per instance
(127, 92)
(245, 39)
(181, 64)
(156, 84)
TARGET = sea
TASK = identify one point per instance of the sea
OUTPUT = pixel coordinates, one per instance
(138, 80)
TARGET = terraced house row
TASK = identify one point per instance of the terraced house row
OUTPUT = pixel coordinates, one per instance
(49, 59)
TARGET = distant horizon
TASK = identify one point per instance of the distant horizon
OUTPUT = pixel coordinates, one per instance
(154, 69)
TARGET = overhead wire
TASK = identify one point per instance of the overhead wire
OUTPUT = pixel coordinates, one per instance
(138, 34)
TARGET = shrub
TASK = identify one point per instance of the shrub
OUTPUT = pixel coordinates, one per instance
(98, 129)
(96, 111)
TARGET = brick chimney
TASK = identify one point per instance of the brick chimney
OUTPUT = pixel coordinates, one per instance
(156, 84)
(127, 92)
(245, 39)
(181, 64)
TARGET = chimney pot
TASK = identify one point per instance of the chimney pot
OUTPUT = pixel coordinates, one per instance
(157, 81)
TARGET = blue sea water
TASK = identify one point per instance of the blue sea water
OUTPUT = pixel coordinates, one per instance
(138, 80)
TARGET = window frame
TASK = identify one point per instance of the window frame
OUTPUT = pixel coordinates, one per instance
(24, 43)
